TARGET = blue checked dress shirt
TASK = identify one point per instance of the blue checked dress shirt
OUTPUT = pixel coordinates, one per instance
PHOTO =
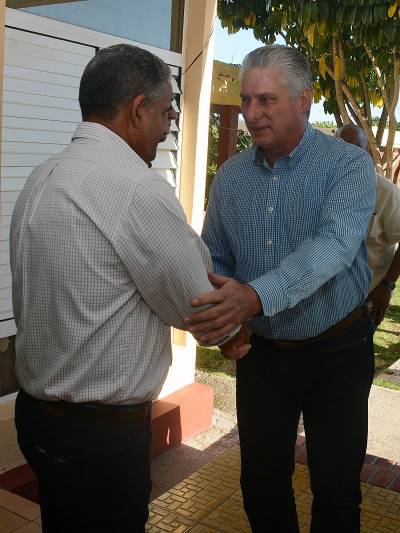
(295, 232)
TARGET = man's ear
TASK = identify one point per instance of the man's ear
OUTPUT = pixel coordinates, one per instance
(135, 108)
(305, 100)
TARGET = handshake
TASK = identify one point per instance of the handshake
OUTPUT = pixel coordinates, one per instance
(232, 304)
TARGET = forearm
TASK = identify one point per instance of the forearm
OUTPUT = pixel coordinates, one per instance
(394, 270)
(305, 270)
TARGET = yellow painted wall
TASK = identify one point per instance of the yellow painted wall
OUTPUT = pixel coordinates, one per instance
(200, 16)
(225, 84)
(199, 34)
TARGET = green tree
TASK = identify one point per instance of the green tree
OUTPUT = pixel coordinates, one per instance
(353, 49)
(243, 141)
(213, 136)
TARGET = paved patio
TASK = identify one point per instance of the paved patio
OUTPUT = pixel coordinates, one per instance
(209, 501)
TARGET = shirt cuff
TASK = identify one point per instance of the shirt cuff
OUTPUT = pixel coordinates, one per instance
(270, 293)
(225, 338)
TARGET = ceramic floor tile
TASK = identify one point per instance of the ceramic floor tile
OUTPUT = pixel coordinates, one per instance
(196, 496)
(229, 517)
(383, 502)
(210, 501)
(203, 528)
(10, 521)
(31, 527)
(10, 454)
(164, 521)
(18, 505)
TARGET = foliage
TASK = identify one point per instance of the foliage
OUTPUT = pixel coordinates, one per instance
(243, 141)
(353, 49)
(375, 122)
(325, 124)
(213, 136)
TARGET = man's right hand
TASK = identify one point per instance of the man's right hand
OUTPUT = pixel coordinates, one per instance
(379, 300)
(232, 303)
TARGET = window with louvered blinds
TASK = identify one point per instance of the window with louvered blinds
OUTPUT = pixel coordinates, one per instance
(40, 113)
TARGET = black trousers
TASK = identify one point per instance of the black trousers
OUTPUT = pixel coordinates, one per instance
(330, 383)
(94, 475)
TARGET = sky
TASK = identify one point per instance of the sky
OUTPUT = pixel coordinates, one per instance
(233, 48)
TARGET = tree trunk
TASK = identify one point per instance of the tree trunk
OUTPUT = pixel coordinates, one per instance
(338, 85)
(338, 118)
(393, 99)
(381, 126)
(376, 155)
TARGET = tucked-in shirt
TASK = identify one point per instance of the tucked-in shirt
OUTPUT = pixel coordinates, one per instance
(295, 232)
(103, 263)
(384, 230)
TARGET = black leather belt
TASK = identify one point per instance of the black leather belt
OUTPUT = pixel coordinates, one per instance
(328, 334)
(93, 410)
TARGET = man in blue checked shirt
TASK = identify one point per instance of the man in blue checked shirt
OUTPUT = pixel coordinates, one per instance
(285, 227)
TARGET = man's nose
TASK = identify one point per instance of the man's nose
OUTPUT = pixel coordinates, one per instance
(252, 111)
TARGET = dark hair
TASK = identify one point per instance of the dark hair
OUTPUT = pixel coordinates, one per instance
(118, 74)
(353, 134)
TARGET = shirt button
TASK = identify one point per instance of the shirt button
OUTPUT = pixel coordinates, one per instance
(273, 311)
(269, 242)
(275, 178)
(270, 209)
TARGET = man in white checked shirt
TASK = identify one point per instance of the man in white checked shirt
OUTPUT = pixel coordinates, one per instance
(103, 263)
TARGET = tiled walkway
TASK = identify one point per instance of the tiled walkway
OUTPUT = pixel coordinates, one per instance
(209, 501)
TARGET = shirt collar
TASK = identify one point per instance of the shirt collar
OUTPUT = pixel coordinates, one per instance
(295, 154)
(97, 132)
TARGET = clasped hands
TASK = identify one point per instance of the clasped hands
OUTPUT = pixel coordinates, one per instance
(232, 303)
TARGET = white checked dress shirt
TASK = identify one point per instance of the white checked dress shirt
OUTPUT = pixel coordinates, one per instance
(103, 263)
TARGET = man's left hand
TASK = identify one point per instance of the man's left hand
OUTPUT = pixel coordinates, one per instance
(380, 299)
(239, 345)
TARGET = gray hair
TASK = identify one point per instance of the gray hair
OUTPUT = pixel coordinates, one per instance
(116, 75)
(296, 72)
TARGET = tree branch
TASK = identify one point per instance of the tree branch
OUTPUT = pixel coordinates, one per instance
(337, 79)
(367, 102)
(363, 121)
(395, 81)
(378, 76)
(381, 126)
(394, 96)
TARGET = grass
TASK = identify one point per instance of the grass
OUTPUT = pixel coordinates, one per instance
(386, 345)
(211, 360)
(387, 384)
(387, 341)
